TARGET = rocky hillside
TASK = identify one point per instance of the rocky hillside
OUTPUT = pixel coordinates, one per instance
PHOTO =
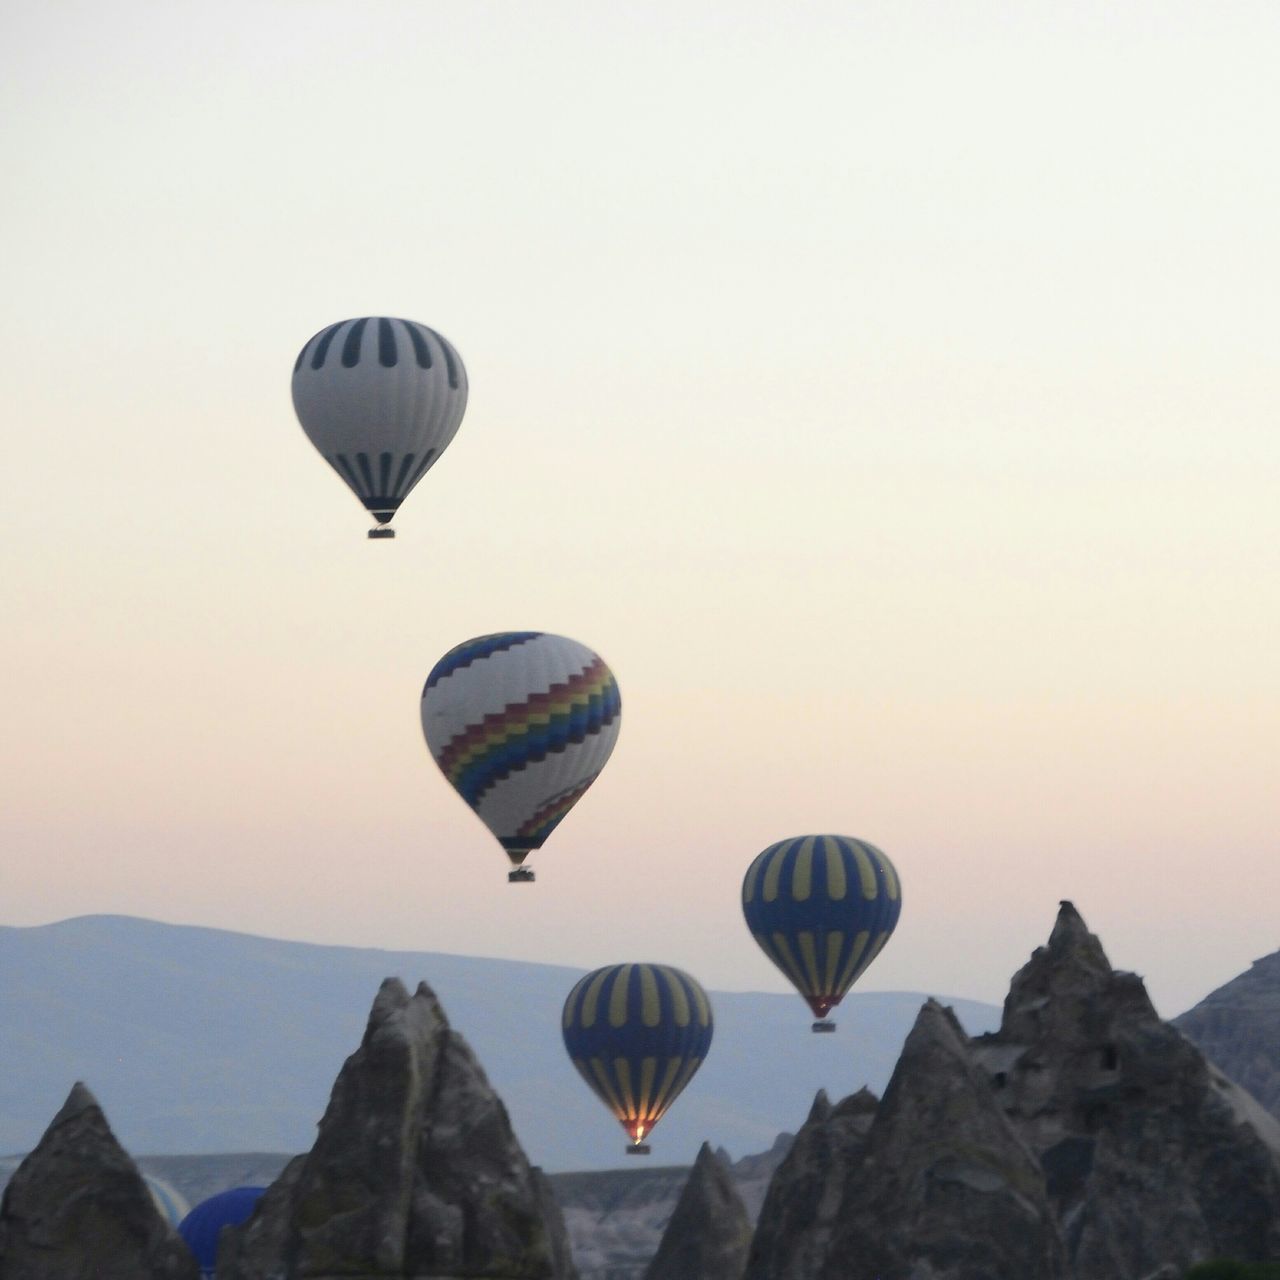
(1238, 1027)
(1084, 1140)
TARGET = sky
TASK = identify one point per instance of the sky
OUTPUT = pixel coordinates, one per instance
(887, 391)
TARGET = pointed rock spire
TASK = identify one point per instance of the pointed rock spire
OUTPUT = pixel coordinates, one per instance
(78, 1209)
(415, 1170)
(803, 1199)
(709, 1231)
(943, 1176)
(1097, 1083)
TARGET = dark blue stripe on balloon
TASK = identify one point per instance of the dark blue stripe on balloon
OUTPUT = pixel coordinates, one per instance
(351, 346)
(387, 352)
(343, 463)
(464, 655)
(321, 351)
(384, 472)
(427, 459)
(450, 359)
(405, 463)
(421, 351)
(362, 461)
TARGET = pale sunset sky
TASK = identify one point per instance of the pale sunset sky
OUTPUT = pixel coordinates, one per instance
(888, 391)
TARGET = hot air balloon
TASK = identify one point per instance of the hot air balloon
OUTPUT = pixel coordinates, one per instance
(202, 1227)
(521, 723)
(380, 399)
(637, 1033)
(821, 908)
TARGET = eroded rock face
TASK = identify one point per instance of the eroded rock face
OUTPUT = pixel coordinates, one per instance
(415, 1171)
(804, 1197)
(1151, 1156)
(78, 1209)
(709, 1232)
(1238, 1028)
(945, 1188)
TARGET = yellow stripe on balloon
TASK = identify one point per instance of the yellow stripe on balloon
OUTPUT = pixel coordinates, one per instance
(802, 876)
(875, 951)
(650, 1009)
(866, 871)
(891, 886)
(618, 996)
(774, 871)
(851, 965)
(685, 1076)
(753, 874)
(837, 883)
(662, 1098)
(592, 998)
(606, 1090)
(700, 1000)
(835, 944)
(622, 1073)
(809, 954)
(648, 1069)
(571, 1005)
(679, 1001)
(788, 965)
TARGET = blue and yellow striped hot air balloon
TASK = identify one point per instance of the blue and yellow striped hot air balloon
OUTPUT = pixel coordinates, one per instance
(637, 1033)
(821, 908)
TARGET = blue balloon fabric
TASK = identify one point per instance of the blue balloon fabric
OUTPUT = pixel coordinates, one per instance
(201, 1228)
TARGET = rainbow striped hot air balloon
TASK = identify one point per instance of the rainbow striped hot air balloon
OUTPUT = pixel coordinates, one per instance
(821, 908)
(521, 723)
(637, 1033)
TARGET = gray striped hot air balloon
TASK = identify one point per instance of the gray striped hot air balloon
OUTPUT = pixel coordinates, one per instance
(380, 399)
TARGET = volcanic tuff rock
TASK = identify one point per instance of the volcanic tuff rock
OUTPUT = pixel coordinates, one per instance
(709, 1232)
(945, 1188)
(78, 1209)
(1238, 1027)
(415, 1171)
(804, 1197)
(1151, 1156)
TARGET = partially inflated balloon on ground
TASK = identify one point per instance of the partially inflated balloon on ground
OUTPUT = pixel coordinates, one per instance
(521, 723)
(380, 399)
(202, 1227)
(821, 908)
(637, 1033)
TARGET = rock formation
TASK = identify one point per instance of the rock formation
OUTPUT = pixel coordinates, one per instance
(945, 1188)
(1151, 1155)
(709, 1232)
(78, 1209)
(415, 1171)
(804, 1197)
(1238, 1027)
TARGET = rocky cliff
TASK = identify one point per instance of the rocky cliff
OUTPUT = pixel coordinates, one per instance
(709, 1231)
(1238, 1027)
(78, 1209)
(415, 1171)
(1085, 1138)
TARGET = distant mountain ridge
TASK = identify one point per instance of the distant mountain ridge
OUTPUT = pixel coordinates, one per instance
(1238, 1027)
(200, 1040)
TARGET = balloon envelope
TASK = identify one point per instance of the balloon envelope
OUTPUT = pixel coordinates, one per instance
(201, 1228)
(821, 907)
(637, 1033)
(521, 723)
(380, 398)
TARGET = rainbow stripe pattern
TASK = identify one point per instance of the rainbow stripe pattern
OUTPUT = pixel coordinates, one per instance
(521, 724)
(637, 1033)
(821, 907)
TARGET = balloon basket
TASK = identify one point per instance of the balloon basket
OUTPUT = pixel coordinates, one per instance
(823, 1027)
(638, 1149)
(382, 532)
(521, 875)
